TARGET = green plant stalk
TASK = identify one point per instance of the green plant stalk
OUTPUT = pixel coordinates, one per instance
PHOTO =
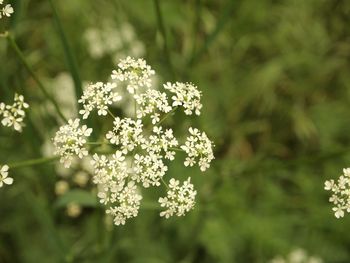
(32, 162)
(111, 114)
(161, 27)
(167, 115)
(227, 15)
(68, 53)
(20, 55)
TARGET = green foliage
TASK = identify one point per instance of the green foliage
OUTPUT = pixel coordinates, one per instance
(276, 92)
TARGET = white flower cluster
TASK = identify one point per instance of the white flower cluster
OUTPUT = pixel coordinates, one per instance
(199, 149)
(13, 115)
(135, 72)
(126, 133)
(340, 193)
(186, 95)
(152, 102)
(70, 140)
(113, 40)
(7, 10)
(179, 199)
(4, 178)
(98, 96)
(138, 150)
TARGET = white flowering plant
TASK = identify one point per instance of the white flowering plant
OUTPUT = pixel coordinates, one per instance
(139, 149)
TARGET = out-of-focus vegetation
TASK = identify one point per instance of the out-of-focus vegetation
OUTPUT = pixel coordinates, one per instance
(275, 77)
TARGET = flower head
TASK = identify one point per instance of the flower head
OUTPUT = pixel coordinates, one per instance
(186, 95)
(152, 102)
(340, 193)
(98, 96)
(128, 204)
(70, 140)
(140, 149)
(13, 115)
(179, 200)
(126, 133)
(136, 73)
(199, 149)
(4, 178)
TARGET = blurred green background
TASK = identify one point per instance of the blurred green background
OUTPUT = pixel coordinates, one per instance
(275, 77)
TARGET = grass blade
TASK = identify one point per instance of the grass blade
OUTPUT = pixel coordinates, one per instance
(68, 53)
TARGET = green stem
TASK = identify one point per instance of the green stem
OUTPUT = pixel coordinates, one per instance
(20, 55)
(176, 149)
(226, 17)
(97, 143)
(166, 185)
(33, 162)
(110, 113)
(167, 115)
(68, 53)
(161, 27)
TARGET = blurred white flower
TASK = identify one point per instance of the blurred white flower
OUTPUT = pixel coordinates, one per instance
(298, 255)
(114, 40)
(62, 88)
(73, 210)
(7, 10)
(4, 178)
(61, 187)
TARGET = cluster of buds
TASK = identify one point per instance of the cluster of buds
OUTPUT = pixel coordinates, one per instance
(139, 148)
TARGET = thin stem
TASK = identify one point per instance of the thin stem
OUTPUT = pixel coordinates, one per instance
(68, 53)
(161, 27)
(97, 143)
(20, 55)
(135, 108)
(33, 162)
(166, 185)
(110, 113)
(167, 115)
(225, 18)
(176, 149)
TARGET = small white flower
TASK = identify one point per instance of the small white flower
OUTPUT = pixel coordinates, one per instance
(98, 96)
(126, 133)
(179, 199)
(8, 10)
(199, 149)
(70, 140)
(136, 74)
(186, 95)
(4, 178)
(340, 193)
(152, 102)
(128, 204)
(13, 115)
